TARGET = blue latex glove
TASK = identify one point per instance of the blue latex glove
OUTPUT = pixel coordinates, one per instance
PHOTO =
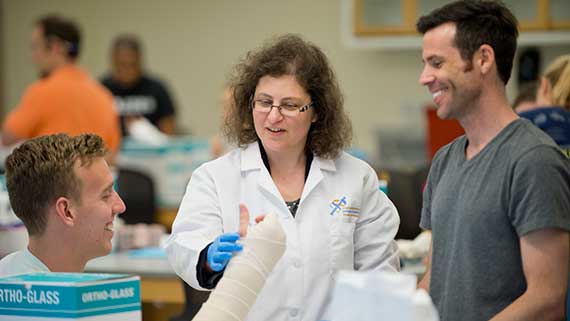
(221, 251)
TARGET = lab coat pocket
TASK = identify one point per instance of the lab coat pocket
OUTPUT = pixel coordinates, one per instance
(342, 244)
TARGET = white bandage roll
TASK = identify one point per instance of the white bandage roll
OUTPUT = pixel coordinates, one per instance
(246, 273)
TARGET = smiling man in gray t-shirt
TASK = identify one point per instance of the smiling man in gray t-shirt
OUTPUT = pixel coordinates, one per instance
(479, 208)
(498, 198)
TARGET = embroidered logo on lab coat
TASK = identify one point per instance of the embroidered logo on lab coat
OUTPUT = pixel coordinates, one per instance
(341, 206)
(337, 205)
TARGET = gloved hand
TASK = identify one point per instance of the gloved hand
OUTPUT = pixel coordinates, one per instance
(222, 250)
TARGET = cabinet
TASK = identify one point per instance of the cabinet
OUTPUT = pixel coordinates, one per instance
(372, 18)
(559, 13)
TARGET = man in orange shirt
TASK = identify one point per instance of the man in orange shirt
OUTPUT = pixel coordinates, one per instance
(66, 99)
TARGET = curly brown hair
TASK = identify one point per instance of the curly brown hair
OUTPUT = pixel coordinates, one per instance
(42, 169)
(291, 55)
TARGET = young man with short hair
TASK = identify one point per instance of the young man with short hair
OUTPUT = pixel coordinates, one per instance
(62, 189)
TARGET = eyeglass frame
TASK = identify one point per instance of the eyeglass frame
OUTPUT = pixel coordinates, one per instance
(300, 109)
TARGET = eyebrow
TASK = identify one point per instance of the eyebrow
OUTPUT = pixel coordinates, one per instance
(264, 94)
(283, 99)
(109, 188)
(432, 58)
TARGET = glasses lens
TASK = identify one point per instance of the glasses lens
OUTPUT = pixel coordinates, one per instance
(265, 106)
(262, 106)
(290, 112)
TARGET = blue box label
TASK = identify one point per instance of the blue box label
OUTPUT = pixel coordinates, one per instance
(68, 296)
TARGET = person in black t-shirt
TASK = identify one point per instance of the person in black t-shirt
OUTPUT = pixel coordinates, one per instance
(137, 94)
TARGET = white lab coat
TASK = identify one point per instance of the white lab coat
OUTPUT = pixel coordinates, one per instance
(343, 222)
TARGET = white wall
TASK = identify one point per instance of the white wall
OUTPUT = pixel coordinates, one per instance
(192, 44)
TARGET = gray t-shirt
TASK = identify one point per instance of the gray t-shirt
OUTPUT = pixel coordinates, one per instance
(479, 208)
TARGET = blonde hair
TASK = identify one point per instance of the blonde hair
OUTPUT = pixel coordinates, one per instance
(558, 74)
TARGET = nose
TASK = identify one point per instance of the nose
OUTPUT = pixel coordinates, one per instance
(426, 77)
(119, 206)
(275, 115)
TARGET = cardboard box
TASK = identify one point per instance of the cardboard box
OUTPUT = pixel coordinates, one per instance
(70, 296)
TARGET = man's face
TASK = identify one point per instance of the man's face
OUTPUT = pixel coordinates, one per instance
(451, 80)
(98, 207)
(126, 66)
(42, 55)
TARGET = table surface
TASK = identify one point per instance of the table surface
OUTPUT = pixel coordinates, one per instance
(158, 267)
(124, 262)
(159, 282)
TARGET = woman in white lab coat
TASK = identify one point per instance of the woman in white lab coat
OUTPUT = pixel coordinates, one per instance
(289, 122)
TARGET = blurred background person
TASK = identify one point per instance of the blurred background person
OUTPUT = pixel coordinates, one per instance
(138, 95)
(65, 99)
(551, 112)
(526, 97)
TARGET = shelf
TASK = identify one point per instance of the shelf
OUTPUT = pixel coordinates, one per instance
(414, 42)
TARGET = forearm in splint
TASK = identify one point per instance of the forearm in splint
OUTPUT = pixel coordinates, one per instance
(246, 273)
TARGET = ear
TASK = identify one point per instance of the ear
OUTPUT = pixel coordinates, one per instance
(544, 87)
(485, 58)
(315, 118)
(543, 92)
(58, 46)
(65, 211)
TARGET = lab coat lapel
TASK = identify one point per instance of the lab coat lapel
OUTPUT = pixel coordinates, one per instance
(316, 175)
(252, 161)
(267, 186)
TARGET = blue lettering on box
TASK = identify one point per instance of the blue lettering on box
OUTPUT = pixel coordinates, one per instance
(67, 295)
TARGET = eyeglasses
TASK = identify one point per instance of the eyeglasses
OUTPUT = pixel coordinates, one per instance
(287, 109)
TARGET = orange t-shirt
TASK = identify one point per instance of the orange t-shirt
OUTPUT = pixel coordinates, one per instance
(67, 101)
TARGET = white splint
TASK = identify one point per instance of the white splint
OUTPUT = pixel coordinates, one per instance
(246, 273)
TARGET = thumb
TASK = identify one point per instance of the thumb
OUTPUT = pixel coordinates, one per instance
(243, 219)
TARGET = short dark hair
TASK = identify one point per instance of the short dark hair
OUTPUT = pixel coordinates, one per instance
(128, 41)
(42, 169)
(478, 22)
(54, 26)
(291, 55)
